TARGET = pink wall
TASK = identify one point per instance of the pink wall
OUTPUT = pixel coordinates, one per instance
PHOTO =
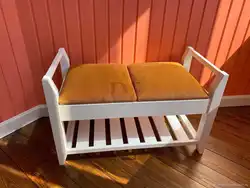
(114, 31)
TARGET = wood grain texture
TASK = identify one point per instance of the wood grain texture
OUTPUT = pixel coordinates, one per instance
(225, 160)
(118, 31)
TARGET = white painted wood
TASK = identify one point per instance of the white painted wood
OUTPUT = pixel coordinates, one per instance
(70, 133)
(216, 91)
(39, 111)
(51, 96)
(186, 124)
(147, 130)
(178, 131)
(63, 59)
(99, 133)
(204, 61)
(83, 134)
(187, 59)
(204, 129)
(162, 129)
(115, 132)
(132, 146)
(59, 113)
(132, 134)
(132, 109)
(22, 119)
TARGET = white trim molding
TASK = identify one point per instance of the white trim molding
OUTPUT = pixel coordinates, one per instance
(40, 111)
(22, 119)
(235, 100)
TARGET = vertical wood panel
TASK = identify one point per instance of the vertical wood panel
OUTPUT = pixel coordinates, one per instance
(205, 34)
(88, 30)
(9, 69)
(118, 31)
(129, 30)
(142, 30)
(195, 22)
(71, 8)
(238, 53)
(19, 52)
(58, 24)
(215, 40)
(43, 31)
(29, 31)
(230, 27)
(155, 30)
(6, 110)
(101, 29)
(171, 13)
(239, 71)
(115, 30)
(182, 23)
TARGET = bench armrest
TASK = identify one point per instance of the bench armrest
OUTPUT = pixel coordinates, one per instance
(217, 87)
(49, 86)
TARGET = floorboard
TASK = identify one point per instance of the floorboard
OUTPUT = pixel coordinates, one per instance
(28, 159)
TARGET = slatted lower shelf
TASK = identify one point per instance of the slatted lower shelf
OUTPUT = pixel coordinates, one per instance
(99, 135)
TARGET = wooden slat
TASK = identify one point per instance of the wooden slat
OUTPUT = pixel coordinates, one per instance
(70, 133)
(83, 134)
(99, 133)
(187, 126)
(162, 129)
(116, 132)
(147, 130)
(177, 128)
(131, 130)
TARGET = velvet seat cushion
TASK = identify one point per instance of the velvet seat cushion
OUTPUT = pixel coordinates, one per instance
(97, 83)
(164, 81)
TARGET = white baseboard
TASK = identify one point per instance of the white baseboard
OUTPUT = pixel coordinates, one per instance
(22, 119)
(40, 111)
(236, 100)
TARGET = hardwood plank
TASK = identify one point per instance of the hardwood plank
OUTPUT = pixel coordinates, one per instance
(189, 167)
(122, 174)
(11, 175)
(165, 174)
(221, 163)
(30, 159)
(80, 170)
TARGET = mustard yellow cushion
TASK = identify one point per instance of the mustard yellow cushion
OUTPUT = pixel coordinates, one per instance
(164, 81)
(97, 83)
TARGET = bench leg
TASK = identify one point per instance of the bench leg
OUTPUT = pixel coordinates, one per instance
(59, 139)
(204, 129)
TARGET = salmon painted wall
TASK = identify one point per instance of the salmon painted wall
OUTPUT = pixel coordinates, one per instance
(117, 31)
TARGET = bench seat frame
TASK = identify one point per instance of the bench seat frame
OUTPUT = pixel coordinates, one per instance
(173, 110)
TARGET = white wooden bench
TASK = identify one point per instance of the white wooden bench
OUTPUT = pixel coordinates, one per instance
(114, 126)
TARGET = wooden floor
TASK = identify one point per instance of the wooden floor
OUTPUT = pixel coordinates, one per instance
(28, 159)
